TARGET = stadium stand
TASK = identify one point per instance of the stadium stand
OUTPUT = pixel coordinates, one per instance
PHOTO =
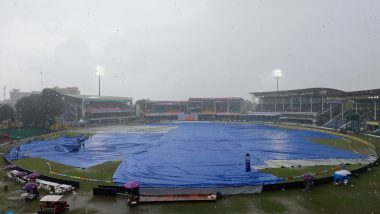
(193, 109)
(376, 132)
(94, 109)
(326, 107)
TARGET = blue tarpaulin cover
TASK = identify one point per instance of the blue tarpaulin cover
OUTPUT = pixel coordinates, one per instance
(191, 155)
(340, 178)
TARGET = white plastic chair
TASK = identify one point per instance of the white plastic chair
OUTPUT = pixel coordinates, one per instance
(46, 188)
(9, 175)
(24, 196)
(58, 191)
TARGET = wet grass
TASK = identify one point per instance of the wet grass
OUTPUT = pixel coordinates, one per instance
(291, 172)
(102, 171)
(271, 205)
(351, 145)
(363, 197)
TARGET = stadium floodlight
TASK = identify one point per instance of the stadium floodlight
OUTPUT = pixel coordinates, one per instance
(277, 73)
(99, 72)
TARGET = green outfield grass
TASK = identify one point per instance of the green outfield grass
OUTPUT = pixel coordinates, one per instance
(102, 171)
(346, 144)
(291, 172)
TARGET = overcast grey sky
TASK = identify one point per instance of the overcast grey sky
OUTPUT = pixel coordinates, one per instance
(172, 50)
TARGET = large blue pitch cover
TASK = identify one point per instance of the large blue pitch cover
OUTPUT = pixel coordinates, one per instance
(190, 155)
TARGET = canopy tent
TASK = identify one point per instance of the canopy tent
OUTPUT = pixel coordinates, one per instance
(52, 198)
(10, 167)
(341, 176)
(32, 175)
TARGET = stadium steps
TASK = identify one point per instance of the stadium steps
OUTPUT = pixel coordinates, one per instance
(327, 111)
(344, 126)
(324, 117)
(335, 122)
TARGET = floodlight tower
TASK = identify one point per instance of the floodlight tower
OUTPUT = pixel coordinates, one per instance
(277, 73)
(99, 72)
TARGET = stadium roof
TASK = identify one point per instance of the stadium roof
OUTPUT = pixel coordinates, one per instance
(99, 98)
(370, 93)
(330, 92)
(296, 92)
(191, 100)
(216, 98)
(164, 102)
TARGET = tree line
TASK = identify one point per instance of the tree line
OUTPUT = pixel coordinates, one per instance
(36, 110)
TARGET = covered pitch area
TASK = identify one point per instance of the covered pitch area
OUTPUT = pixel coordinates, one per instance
(190, 154)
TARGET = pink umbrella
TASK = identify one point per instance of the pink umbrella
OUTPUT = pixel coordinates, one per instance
(308, 177)
(32, 175)
(30, 186)
(20, 174)
(131, 185)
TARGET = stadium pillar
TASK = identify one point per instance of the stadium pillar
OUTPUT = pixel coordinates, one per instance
(322, 104)
(342, 110)
(83, 110)
(375, 111)
(291, 104)
(76, 112)
(356, 107)
(311, 104)
(275, 103)
(300, 103)
(228, 106)
(330, 111)
(215, 106)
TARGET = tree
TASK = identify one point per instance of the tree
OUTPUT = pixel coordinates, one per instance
(29, 110)
(6, 112)
(38, 109)
(52, 104)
